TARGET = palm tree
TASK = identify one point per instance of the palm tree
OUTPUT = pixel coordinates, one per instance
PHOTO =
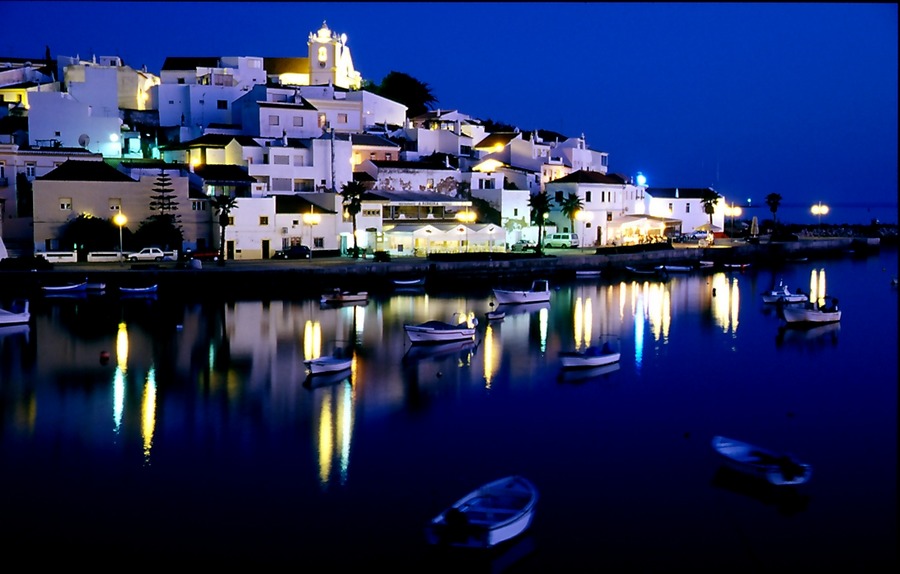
(571, 205)
(352, 192)
(540, 209)
(709, 202)
(773, 200)
(223, 205)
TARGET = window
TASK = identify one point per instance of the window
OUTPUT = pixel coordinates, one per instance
(322, 121)
(282, 160)
(687, 207)
(670, 208)
(429, 183)
(221, 104)
(273, 120)
(263, 220)
(319, 242)
(516, 212)
(198, 206)
(388, 156)
(342, 118)
(604, 160)
(323, 56)
(30, 169)
(609, 216)
(372, 156)
(298, 121)
(587, 196)
(115, 204)
(559, 197)
(180, 81)
(65, 203)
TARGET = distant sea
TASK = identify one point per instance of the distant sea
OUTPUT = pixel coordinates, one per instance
(838, 213)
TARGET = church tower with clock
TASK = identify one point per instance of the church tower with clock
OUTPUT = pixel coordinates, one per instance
(330, 61)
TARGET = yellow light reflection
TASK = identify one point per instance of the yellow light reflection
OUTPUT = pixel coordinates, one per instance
(578, 323)
(822, 291)
(735, 304)
(312, 340)
(359, 318)
(488, 345)
(638, 333)
(588, 321)
(326, 441)
(122, 347)
(148, 413)
(622, 300)
(719, 304)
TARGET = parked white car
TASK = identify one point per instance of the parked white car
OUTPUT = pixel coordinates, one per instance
(153, 254)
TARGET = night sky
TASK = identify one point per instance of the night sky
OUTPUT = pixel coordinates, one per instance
(748, 98)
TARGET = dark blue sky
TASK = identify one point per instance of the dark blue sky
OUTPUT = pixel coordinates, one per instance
(749, 98)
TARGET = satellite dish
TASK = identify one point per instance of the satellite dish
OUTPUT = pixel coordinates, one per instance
(84, 140)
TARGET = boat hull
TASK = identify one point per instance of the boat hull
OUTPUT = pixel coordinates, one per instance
(576, 360)
(773, 467)
(424, 334)
(487, 516)
(324, 365)
(804, 315)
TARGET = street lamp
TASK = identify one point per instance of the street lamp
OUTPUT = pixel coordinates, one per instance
(734, 210)
(819, 209)
(584, 217)
(466, 217)
(120, 220)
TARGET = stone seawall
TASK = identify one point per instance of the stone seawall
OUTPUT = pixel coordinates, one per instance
(278, 279)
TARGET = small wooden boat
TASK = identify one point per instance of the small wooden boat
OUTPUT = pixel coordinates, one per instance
(441, 331)
(67, 288)
(489, 515)
(495, 315)
(665, 268)
(338, 297)
(438, 351)
(593, 356)
(739, 266)
(17, 314)
(539, 292)
(334, 363)
(138, 290)
(782, 294)
(813, 312)
(639, 271)
(776, 468)
(326, 379)
(414, 282)
(587, 273)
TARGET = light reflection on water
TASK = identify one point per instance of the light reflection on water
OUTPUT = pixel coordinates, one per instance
(224, 384)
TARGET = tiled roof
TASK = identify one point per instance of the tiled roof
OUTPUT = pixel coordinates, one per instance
(496, 139)
(680, 192)
(372, 141)
(297, 204)
(582, 176)
(223, 173)
(75, 170)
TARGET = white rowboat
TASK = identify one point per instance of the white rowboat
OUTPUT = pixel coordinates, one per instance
(774, 467)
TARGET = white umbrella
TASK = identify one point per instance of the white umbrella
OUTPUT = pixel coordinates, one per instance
(707, 227)
(754, 227)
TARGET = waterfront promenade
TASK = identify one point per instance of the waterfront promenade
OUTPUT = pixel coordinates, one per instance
(310, 277)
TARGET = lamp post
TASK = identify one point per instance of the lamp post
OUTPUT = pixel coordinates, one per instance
(311, 219)
(120, 220)
(466, 217)
(819, 209)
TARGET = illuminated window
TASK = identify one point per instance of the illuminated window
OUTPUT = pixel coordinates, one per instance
(389, 156)
(342, 118)
(65, 203)
(372, 155)
(322, 121)
(273, 120)
(323, 55)
(429, 183)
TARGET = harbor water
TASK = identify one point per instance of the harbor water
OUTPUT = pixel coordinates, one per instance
(151, 429)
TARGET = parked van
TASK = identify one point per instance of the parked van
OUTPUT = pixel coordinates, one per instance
(561, 240)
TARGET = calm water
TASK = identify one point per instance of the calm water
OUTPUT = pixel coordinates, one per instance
(198, 439)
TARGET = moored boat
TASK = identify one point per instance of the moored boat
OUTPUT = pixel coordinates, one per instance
(145, 289)
(338, 297)
(328, 364)
(441, 331)
(17, 314)
(487, 516)
(810, 312)
(775, 467)
(67, 288)
(537, 293)
(593, 356)
(782, 294)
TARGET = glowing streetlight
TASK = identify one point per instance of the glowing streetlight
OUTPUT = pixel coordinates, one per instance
(584, 217)
(466, 217)
(734, 210)
(819, 209)
(120, 220)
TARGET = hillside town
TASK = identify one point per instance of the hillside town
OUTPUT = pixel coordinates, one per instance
(253, 155)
